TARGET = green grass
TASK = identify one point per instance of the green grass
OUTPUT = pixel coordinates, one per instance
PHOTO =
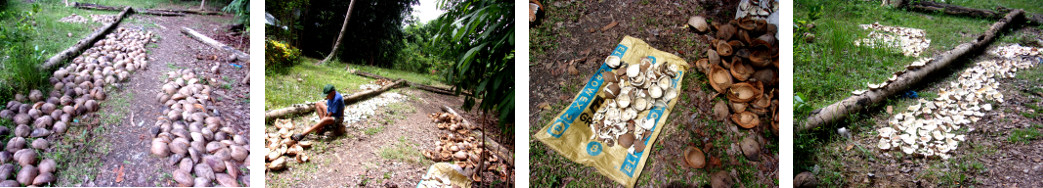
(426, 79)
(404, 151)
(283, 88)
(373, 130)
(828, 69)
(1025, 135)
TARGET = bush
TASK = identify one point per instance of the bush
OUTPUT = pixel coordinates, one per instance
(278, 54)
(18, 57)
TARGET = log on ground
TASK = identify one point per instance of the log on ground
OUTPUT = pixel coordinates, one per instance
(215, 44)
(92, 6)
(837, 111)
(83, 44)
(491, 145)
(433, 89)
(931, 7)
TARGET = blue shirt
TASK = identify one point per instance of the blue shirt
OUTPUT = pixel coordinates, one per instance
(335, 106)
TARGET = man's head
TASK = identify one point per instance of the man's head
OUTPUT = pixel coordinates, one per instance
(329, 91)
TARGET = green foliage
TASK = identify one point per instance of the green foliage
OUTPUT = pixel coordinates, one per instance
(18, 56)
(481, 39)
(373, 34)
(1024, 135)
(418, 53)
(241, 9)
(278, 54)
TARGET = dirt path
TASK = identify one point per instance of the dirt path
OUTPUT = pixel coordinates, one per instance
(382, 150)
(129, 139)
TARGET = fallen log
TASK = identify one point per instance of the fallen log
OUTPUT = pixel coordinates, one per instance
(837, 111)
(92, 6)
(83, 44)
(214, 43)
(310, 106)
(433, 89)
(491, 145)
(931, 6)
(199, 12)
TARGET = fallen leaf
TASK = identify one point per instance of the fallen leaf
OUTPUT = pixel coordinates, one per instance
(609, 26)
(572, 70)
(543, 105)
(849, 146)
(119, 175)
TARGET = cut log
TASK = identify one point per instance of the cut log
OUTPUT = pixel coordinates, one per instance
(837, 111)
(92, 6)
(348, 100)
(213, 43)
(182, 11)
(83, 44)
(931, 6)
(433, 89)
(491, 145)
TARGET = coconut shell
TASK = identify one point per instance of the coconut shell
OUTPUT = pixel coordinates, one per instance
(226, 180)
(750, 148)
(626, 140)
(22, 119)
(215, 163)
(48, 166)
(25, 157)
(698, 23)
(720, 111)
(639, 145)
(41, 144)
(721, 179)
(741, 71)
(40, 132)
(725, 31)
(22, 130)
(746, 119)
(60, 127)
(277, 164)
(35, 95)
(15, 144)
(5, 171)
(694, 157)
(743, 92)
(183, 178)
(203, 170)
(703, 65)
(611, 91)
(43, 122)
(720, 79)
(7, 114)
(43, 178)
(160, 148)
(179, 145)
(27, 174)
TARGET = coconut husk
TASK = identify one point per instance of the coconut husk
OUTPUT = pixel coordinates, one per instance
(703, 65)
(760, 57)
(741, 71)
(746, 119)
(723, 48)
(694, 157)
(720, 79)
(725, 31)
(743, 92)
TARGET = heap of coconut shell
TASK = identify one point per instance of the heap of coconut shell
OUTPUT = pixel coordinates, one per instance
(194, 138)
(928, 128)
(78, 89)
(281, 149)
(743, 63)
(632, 89)
(460, 147)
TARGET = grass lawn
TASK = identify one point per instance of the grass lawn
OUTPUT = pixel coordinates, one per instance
(303, 82)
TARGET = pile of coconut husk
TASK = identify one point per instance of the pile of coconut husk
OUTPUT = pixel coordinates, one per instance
(756, 9)
(742, 63)
(930, 127)
(280, 149)
(73, 19)
(457, 145)
(194, 138)
(78, 90)
(910, 41)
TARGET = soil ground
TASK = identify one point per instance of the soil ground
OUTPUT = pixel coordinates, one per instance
(564, 33)
(117, 151)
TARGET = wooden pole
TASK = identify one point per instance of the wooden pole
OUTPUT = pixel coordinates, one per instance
(433, 89)
(83, 44)
(91, 6)
(931, 6)
(837, 111)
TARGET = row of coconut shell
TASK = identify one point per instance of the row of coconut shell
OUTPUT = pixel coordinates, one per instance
(194, 139)
(78, 89)
(457, 145)
(280, 149)
(742, 63)
(632, 89)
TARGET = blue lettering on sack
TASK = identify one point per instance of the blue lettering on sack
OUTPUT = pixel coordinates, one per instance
(589, 92)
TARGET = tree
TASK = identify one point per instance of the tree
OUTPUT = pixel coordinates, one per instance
(480, 38)
(347, 16)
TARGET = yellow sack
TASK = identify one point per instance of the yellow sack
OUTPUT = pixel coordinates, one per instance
(446, 170)
(569, 133)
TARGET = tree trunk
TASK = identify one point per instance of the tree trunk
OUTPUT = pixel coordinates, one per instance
(202, 5)
(215, 44)
(91, 6)
(84, 43)
(837, 111)
(347, 16)
(348, 100)
(930, 6)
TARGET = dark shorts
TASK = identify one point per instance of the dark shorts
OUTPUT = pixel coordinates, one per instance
(337, 121)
